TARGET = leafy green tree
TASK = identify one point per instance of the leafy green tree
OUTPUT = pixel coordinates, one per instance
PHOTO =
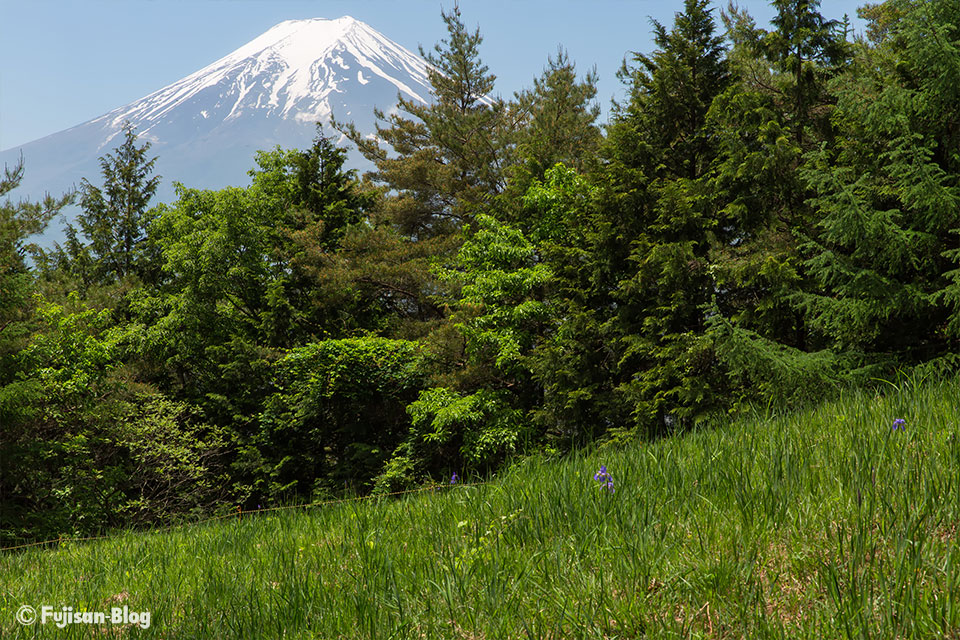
(208, 334)
(337, 414)
(575, 361)
(481, 413)
(243, 281)
(18, 222)
(85, 451)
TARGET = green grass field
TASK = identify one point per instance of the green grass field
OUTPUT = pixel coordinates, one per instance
(825, 523)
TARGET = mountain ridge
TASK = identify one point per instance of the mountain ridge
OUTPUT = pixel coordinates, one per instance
(206, 127)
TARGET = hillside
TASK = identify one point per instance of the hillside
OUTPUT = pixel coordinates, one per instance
(824, 523)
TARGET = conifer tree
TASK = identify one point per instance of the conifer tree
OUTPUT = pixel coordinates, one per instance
(657, 221)
(438, 164)
(444, 158)
(320, 202)
(883, 253)
(18, 222)
(808, 49)
(113, 219)
(560, 122)
(777, 108)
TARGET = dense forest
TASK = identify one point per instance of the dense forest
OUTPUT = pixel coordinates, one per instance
(767, 218)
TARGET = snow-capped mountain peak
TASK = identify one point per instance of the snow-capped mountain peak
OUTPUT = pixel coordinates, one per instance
(294, 69)
(207, 127)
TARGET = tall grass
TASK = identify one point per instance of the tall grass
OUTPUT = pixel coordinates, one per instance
(825, 523)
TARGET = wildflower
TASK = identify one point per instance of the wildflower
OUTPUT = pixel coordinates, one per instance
(454, 478)
(899, 423)
(604, 478)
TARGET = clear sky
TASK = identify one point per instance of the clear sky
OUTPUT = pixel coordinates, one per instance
(63, 62)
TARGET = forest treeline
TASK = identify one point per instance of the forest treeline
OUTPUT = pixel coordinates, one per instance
(768, 216)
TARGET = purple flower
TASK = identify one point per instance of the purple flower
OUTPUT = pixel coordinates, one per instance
(454, 478)
(604, 478)
(899, 423)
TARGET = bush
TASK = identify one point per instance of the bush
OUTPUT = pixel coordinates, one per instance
(337, 414)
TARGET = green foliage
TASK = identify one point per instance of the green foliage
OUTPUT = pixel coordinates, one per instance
(574, 361)
(114, 218)
(437, 165)
(808, 49)
(243, 279)
(772, 373)
(448, 155)
(500, 307)
(760, 223)
(499, 314)
(658, 223)
(321, 199)
(18, 221)
(208, 330)
(559, 124)
(821, 523)
(82, 450)
(670, 93)
(337, 413)
(888, 196)
(482, 429)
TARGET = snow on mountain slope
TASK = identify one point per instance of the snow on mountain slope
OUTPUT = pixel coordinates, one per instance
(207, 127)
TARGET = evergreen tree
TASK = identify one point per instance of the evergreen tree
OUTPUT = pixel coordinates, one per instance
(657, 222)
(777, 107)
(671, 92)
(438, 164)
(113, 219)
(808, 49)
(560, 122)
(18, 222)
(448, 155)
(319, 203)
(888, 194)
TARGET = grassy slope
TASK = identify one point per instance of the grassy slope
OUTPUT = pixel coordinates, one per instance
(821, 524)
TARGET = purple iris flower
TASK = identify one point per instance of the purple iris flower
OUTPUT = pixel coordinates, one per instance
(604, 478)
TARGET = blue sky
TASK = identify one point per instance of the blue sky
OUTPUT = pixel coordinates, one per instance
(67, 61)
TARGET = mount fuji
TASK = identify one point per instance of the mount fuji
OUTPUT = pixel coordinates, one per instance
(206, 128)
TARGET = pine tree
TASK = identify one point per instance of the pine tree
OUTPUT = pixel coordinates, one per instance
(560, 122)
(448, 155)
(113, 219)
(437, 165)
